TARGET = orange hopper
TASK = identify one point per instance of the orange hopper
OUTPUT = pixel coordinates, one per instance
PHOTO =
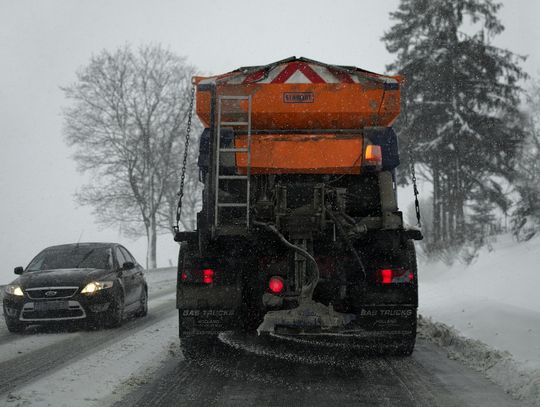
(306, 116)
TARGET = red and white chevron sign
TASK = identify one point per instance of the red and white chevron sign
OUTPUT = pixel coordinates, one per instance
(298, 70)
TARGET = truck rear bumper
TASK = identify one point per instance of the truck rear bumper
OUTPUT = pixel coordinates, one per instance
(372, 321)
(223, 312)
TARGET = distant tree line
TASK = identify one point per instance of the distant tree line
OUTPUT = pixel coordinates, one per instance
(466, 126)
(461, 123)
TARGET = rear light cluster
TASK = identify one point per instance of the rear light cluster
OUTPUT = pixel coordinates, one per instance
(208, 276)
(372, 155)
(393, 276)
(276, 284)
(205, 276)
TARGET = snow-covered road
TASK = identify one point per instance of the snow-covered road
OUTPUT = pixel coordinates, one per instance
(141, 364)
(234, 377)
(77, 367)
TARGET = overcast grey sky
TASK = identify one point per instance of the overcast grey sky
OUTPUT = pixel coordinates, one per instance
(43, 43)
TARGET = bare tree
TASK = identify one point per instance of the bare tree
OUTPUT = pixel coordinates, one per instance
(127, 122)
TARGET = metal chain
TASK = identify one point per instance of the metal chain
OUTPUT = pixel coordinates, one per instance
(415, 190)
(413, 173)
(184, 164)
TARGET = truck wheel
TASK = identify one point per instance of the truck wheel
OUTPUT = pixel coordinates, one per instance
(181, 331)
(405, 348)
(402, 344)
(198, 346)
(251, 318)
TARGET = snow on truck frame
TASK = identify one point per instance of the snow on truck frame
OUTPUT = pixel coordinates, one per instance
(299, 232)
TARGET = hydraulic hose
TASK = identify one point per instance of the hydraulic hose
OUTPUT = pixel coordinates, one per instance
(347, 241)
(307, 290)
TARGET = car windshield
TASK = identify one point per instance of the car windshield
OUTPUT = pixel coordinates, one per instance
(72, 258)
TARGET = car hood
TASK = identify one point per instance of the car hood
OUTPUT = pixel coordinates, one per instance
(60, 277)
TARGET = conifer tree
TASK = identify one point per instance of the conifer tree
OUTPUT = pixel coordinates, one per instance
(526, 214)
(460, 101)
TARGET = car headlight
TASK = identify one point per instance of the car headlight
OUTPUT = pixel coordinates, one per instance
(96, 286)
(14, 290)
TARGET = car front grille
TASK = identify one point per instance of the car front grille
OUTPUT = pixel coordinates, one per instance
(69, 310)
(50, 293)
(52, 315)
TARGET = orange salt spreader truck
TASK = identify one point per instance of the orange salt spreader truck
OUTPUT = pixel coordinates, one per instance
(299, 232)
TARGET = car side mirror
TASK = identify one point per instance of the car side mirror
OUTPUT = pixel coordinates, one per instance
(128, 265)
(18, 270)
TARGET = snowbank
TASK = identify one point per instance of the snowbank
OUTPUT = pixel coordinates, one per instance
(516, 379)
(493, 309)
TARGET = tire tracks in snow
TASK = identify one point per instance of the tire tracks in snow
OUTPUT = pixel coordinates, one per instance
(229, 376)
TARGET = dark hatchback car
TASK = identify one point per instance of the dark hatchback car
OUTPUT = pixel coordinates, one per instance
(97, 283)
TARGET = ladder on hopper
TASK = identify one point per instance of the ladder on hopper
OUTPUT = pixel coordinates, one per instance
(220, 206)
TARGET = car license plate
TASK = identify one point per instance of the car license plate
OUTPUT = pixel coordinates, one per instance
(50, 305)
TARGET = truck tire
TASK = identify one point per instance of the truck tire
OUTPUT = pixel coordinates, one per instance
(405, 345)
(251, 318)
(251, 310)
(185, 250)
(197, 346)
(406, 348)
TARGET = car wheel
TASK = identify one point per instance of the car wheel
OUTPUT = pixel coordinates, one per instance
(116, 315)
(143, 310)
(92, 324)
(14, 325)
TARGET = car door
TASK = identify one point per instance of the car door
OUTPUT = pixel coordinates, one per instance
(127, 278)
(137, 274)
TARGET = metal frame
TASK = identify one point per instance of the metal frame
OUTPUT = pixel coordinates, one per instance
(220, 150)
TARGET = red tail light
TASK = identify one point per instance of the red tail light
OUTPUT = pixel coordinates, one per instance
(276, 284)
(386, 276)
(198, 276)
(208, 276)
(392, 276)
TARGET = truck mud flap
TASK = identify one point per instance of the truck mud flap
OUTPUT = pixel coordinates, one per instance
(207, 321)
(394, 319)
